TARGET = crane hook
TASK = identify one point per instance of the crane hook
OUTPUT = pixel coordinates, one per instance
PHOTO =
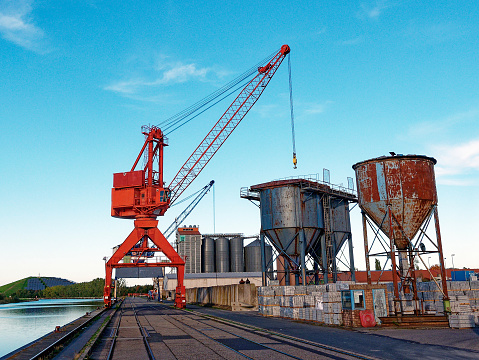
(295, 161)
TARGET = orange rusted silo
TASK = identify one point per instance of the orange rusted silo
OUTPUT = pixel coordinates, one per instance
(406, 183)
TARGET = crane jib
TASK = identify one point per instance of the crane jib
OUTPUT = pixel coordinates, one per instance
(225, 125)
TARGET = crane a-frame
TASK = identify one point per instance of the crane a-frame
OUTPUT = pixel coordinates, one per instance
(142, 195)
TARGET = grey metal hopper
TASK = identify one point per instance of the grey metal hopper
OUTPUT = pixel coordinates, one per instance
(285, 209)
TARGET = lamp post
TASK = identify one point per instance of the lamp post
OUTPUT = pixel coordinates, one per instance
(428, 262)
(452, 257)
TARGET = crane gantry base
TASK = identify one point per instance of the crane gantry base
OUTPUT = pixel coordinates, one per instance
(146, 229)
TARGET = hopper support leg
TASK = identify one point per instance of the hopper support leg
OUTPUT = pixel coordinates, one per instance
(263, 259)
(351, 258)
(366, 247)
(302, 244)
(447, 305)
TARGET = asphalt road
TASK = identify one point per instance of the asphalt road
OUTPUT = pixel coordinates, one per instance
(383, 344)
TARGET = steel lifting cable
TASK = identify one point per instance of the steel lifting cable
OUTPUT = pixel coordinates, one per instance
(166, 129)
(178, 120)
(295, 161)
(189, 197)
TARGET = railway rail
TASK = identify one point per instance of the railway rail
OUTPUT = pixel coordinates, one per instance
(143, 330)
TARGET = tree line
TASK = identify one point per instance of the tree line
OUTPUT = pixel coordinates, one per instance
(91, 289)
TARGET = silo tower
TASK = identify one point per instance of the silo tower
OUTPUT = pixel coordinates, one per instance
(398, 198)
(307, 222)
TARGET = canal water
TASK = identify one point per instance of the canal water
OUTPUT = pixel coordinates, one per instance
(21, 323)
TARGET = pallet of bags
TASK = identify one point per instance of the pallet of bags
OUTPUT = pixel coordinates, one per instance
(309, 301)
(288, 290)
(332, 308)
(319, 315)
(297, 301)
(295, 314)
(310, 289)
(461, 321)
(300, 290)
(327, 318)
(343, 285)
(439, 305)
(331, 287)
(308, 313)
(460, 304)
(301, 313)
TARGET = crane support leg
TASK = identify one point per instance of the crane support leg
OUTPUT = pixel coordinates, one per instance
(147, 227)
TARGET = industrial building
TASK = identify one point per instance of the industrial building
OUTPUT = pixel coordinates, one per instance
(219, 253)
(188, 243)
(217, 259)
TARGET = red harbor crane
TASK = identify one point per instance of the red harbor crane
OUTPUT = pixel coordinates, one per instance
(142, 195)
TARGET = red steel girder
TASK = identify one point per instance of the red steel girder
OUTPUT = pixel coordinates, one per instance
(146, 227)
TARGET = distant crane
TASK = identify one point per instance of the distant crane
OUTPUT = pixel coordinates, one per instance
(142, 195)
(184, 214)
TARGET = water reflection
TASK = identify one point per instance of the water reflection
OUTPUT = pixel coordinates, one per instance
(22, 323)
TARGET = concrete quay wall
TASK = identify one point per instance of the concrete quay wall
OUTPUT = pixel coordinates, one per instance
(239, 297)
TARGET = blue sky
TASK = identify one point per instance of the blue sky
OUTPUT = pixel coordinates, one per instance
(79, 79)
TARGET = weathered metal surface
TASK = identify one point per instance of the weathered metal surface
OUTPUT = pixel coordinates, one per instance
(252, 254)
(284, 210)
(222, 254)
(208, 255)
(340, 225)
(136, 272)
(406, 183)
(237, 254)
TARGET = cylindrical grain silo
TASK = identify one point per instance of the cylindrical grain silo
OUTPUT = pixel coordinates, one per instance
(404, 182)
(208, 255)
(252, 255)
(237, 254)
(222, 254)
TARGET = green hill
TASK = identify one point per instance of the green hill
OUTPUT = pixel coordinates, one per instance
(32, 284)
(10, 289)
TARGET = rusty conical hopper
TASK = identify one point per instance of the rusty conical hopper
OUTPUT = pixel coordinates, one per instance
(407, 183)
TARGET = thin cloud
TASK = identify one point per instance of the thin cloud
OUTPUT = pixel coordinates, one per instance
(354, 41)
(16, 25)
(316, 108)
(375, 9)
(267, 111)
(428, 128)
(169, 74)
(183, 73)
(458, 164)
(434, 33)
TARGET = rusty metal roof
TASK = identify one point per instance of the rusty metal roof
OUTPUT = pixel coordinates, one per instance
(396, 157)
(338, 191)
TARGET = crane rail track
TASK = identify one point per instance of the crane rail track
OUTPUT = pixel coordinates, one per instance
(116, 334)
(182, 334)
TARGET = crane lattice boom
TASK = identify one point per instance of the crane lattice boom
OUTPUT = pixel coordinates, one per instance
(225, 125)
